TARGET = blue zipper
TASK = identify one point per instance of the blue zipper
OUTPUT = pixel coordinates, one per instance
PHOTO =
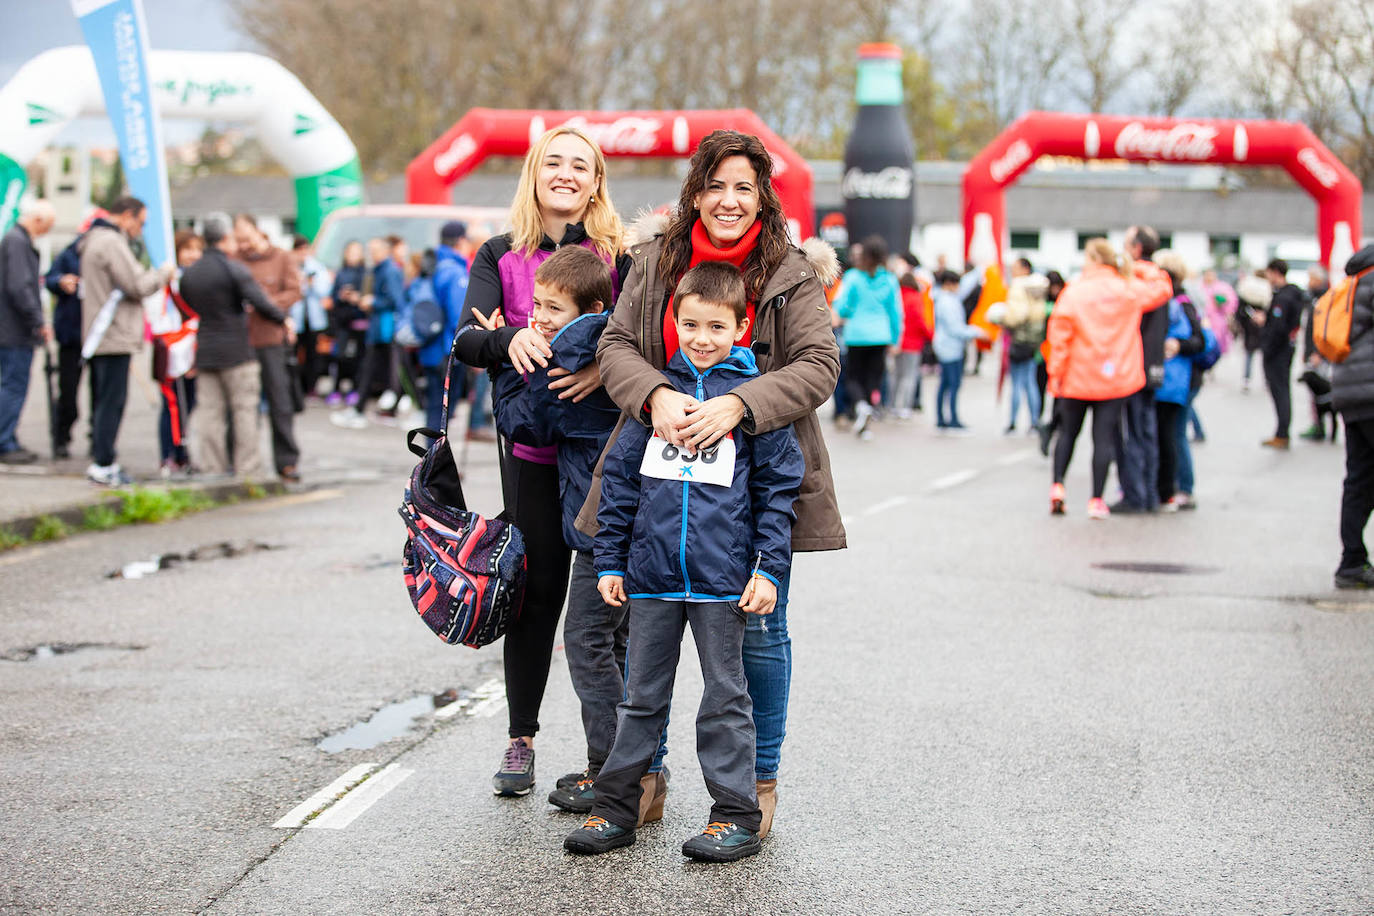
(682, 542)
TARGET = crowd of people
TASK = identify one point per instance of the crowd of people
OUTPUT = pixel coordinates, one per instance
(657, 393)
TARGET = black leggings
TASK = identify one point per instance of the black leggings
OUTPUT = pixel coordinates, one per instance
(532, 494)
(1106, 419)
(864, 374)
(1167, 416)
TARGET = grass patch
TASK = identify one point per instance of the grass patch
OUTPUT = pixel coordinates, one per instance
(99, 518)
(254, 491)
(141, 505)
(49, 528)
(9, 540)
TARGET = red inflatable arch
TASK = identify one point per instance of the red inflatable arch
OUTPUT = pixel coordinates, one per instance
(1251, 143)
(484, 132)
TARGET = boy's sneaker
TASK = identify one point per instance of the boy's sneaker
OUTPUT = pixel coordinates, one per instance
(108, 475)
(1355, 578)
(516, 776)
(572, 779)
(1056, 499)
(722, 842)
(577, 798)
(1097, 509)
(597, 835)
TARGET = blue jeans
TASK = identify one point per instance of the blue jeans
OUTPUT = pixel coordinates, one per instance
(951, 377)
(16, 363)
(1185, 451)
(768, 669)
(1023, 383)
(481, 410)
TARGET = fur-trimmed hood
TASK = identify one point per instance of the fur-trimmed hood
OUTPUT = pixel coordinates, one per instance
(825, 263)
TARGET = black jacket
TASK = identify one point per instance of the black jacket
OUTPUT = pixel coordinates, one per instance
(215, 288)
(66, 312)
(1283, 320)
(1352, 382)
(21, 311)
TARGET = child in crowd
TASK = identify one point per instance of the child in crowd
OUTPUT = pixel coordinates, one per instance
(915, 336)
(572, 295)
(701, 540)
(952, 334)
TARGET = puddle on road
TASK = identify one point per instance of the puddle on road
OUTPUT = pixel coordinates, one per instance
(54, 649)
(391, 721)
(139, 569)
(1161, 569)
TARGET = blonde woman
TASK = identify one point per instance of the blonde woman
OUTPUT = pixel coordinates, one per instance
(562, 199)
(1096, 357)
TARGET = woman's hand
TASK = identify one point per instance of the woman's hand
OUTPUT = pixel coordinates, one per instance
(668, 411)
(492, 322)
(709, 420)
(579, 384)
(529, 350)
(760, 596)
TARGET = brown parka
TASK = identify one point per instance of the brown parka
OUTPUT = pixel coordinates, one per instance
(796, 353)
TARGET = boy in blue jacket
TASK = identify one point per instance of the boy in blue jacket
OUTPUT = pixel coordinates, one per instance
(572, 292)
(700, 540)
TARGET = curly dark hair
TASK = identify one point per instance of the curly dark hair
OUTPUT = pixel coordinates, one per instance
(773, 242)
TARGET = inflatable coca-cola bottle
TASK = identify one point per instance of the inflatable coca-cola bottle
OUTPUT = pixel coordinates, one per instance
(879, 180)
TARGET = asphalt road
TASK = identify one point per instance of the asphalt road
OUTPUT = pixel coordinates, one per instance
(982, 719)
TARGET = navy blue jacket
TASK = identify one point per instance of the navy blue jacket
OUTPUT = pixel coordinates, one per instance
(66, 311)
(533, 415)
(698, 541)
(388, 299)
(450, 291)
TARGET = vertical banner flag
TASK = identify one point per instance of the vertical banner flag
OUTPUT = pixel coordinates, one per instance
(118, 37)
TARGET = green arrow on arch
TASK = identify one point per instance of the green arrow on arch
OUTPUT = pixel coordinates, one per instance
(304, 125)
(38, 114)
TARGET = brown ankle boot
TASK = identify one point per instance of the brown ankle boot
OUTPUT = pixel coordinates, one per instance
(768, 803)
(653, 789)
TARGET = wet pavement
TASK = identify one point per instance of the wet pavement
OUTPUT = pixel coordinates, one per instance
(993, 711)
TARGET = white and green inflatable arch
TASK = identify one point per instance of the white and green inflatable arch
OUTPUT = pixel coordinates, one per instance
(59, 85)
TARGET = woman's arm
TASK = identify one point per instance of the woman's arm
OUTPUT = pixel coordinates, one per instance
(809, 368)
(629, 377)
(474, 345)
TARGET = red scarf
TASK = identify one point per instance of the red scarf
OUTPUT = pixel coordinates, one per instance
(704, 250)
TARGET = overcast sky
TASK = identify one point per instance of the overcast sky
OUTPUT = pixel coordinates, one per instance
(34, 26)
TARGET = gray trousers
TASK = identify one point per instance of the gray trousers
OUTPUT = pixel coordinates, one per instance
(725, 720)
(594, 635)
(228, 401)
(276, 387)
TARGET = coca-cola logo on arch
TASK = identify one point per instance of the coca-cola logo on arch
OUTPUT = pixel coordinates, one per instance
(1189, 141)
(459, 150)
(1319, 168)
(892, 183)
(1017, 155)
(629, 134)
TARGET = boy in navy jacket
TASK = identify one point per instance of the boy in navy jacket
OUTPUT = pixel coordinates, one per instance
(693, 539)
(572, 291)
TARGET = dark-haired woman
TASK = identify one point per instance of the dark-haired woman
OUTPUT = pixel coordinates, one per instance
(729, 211)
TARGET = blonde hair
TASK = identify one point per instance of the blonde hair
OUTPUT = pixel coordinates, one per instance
(1100, 251)
(600, 220)
(1172, 263)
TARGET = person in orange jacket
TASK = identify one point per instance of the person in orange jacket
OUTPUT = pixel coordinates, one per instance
(1096, 359)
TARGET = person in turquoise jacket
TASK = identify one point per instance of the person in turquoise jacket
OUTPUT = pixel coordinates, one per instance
(870, 303)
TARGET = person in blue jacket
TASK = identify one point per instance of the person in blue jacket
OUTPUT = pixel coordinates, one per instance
(386, 302)
(450, 292)
(572, 295)
(870, 303)
(699, 539)
(1182, 342)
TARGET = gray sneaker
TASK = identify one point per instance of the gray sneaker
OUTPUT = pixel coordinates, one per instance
(516, 776)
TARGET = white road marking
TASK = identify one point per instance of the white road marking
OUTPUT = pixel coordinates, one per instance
(886, 504)
(949, 481)
(343, 812)
(297, 815)
(1007, 461)
(488, 700)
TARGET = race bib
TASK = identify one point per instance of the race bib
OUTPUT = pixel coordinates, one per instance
(665, 461)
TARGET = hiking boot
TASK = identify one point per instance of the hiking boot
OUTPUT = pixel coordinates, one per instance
(572, 779)
(767, 790)
(1097, 509)
(653, 790)
(577, 798)
(1278, 442)
(516, 776)
(1355, 578)
(1056, 499)
(722, 842)
(597, 835)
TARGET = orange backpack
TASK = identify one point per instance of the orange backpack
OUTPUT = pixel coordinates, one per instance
(1331, 318)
